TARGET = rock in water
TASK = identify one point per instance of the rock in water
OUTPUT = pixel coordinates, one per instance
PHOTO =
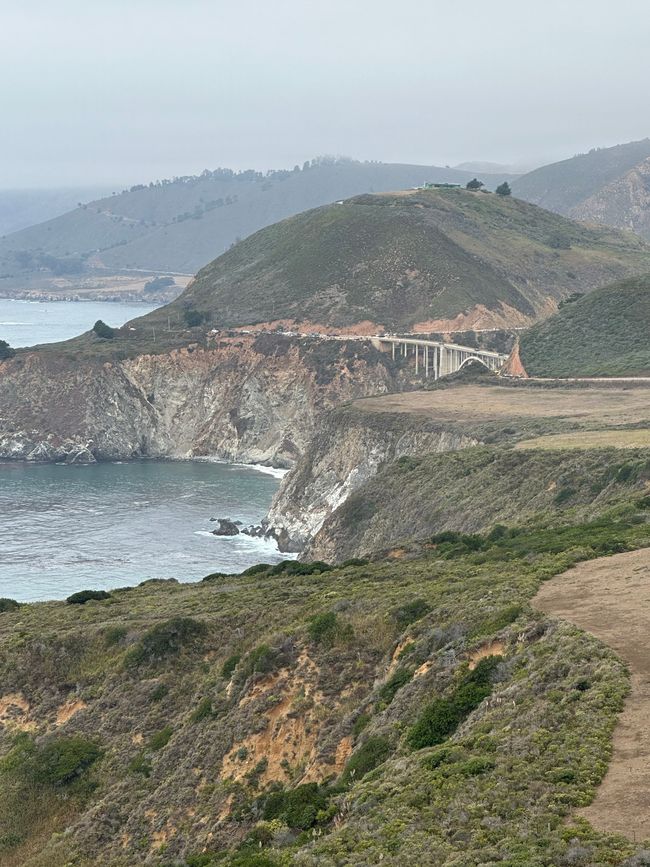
(226, 528)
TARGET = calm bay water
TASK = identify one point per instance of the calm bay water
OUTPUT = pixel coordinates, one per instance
(68, 528)
(26, 323)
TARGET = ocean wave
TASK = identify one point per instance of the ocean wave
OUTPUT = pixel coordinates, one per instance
(276, 472)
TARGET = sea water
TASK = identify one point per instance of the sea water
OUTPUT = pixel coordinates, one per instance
(66, 528)
(26, 323)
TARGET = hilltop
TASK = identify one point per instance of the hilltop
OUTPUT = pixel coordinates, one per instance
(180, 225)
(606, 185)
(605, 333)
(422, 260)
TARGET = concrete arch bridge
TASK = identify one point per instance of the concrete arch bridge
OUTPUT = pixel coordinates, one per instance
(434, 359)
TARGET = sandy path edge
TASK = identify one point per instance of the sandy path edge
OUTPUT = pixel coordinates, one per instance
(610, 598)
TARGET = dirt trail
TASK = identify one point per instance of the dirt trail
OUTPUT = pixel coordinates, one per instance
(610, 597)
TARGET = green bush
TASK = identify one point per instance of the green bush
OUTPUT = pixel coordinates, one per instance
(410, 612)
(390, 689)
(8, 605)
(295, 567)
(159, 692)
(202, 711)
(441, 717)
(166, 639)
(63, 759)
(140, 764)
(230, 665)
(193, 318)
(299, 807)
(6, 351)
(161, 739)
(370, 755)
(115, 635)
(84, 596)
(257, 569)
(326, 628)
(103, 330)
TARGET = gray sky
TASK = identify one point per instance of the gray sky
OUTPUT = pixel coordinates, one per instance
(123, 91)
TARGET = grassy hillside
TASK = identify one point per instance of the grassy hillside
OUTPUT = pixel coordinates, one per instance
(506, 486)
(403, 712)
(406, 258)
(606, 333)
(563, 185)
(182, 224)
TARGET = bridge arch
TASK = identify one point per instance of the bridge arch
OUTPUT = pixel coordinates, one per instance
(473, 358)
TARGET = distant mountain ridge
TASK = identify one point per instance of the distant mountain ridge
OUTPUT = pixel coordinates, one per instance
(20, 208)
(610, 186)
(180, 225)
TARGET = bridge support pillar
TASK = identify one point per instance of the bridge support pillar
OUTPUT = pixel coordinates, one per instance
(417, 360)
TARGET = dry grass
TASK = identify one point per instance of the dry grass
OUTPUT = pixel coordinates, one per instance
(599, 439)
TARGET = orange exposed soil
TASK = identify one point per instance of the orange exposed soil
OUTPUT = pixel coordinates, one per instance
(610, 597)
(493, 648)
(68, 710)
(477, 318)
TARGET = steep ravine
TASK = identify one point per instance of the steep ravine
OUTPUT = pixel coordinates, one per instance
(345, 453)
(246, 399)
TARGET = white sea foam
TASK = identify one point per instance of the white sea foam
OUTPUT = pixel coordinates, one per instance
(276, 472)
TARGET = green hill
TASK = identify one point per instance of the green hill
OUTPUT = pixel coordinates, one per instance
(402, 259)
(563, 185)
(179, 225)
(606, 333)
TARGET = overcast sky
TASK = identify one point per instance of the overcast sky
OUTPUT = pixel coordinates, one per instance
(124, 91)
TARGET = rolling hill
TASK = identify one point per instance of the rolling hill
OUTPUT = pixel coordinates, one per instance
(182, 224)
(606, 333)
(22, 208)
(425, 260)
(607, 185)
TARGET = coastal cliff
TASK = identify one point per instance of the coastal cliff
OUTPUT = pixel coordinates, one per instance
(346, 452)
(246, 398)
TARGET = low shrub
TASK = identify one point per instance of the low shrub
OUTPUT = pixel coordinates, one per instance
(115, 635)
(103, 330)
(160, 739)
(370, 755)
(298, 808)
(441, 717)
(327, 629)
(230, 665)
(63, 759)
(202, 711)
(295, 567)
(159, 691)
(410, 612)
(8, 605)
(140, 764)
(392, 686)
(166, 639)
(84, 596)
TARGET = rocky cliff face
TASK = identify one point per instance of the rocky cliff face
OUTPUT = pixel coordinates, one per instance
(623, 203)
(247, 399)
(344, 454)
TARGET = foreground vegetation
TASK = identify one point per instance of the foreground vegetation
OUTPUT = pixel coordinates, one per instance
(405, 711)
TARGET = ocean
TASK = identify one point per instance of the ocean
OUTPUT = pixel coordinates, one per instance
(26, 323)
(68, 528)
(65, 528)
